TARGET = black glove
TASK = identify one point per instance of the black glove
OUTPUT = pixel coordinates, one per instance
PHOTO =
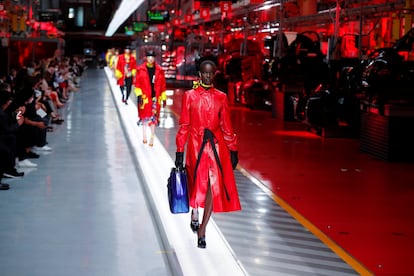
(179, 160)
(139, 100)
(234, 155)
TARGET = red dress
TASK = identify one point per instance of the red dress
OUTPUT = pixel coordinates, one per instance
(208, 109)
(150, 108)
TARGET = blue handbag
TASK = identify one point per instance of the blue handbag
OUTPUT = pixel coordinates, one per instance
(178, 191)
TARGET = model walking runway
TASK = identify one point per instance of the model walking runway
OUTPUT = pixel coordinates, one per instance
(95, 207)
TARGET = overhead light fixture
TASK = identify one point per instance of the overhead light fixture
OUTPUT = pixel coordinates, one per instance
(125, 9)
(267, 6)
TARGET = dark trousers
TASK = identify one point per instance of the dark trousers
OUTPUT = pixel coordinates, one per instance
(7, 159)
(8, 145)
(29, 136)
(126, 88)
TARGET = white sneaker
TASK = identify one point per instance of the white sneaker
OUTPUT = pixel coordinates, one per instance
(44, 148)
(27, 164)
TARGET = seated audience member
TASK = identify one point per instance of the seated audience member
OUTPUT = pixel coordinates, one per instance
(43, 99)
(11, 78)
(8, 130)
(32, 133)
(51, 76)
(52, 92)
(62, 75)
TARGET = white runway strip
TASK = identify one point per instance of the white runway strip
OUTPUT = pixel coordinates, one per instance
(155, 162)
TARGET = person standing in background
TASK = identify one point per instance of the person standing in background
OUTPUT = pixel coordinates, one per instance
(212, 150)
(126, 68)
(150, 87)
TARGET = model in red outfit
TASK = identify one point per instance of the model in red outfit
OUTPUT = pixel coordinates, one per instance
(150, 86)
(126, 68)
(206, 129)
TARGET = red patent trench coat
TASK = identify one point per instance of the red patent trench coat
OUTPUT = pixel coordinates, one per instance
(208, 109)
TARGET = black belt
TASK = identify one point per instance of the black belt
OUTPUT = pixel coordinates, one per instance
(209, 137)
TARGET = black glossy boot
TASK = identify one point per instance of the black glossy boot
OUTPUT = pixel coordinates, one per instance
(195, 224)
(201, 243)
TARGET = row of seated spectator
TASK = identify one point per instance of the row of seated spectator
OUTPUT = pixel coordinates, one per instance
(30, 99)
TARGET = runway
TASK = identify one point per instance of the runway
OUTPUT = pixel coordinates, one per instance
(97, 204)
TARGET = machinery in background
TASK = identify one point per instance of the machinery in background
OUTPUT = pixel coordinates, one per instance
(333, 111)
(242, 65)
(298, 69)
(385, 78)
(388, 76)
(258, 93)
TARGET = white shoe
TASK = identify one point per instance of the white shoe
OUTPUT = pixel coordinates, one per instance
(44, 148)
(27, 164)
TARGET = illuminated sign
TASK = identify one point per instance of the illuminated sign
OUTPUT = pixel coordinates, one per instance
(48, 15)
(157, 17)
